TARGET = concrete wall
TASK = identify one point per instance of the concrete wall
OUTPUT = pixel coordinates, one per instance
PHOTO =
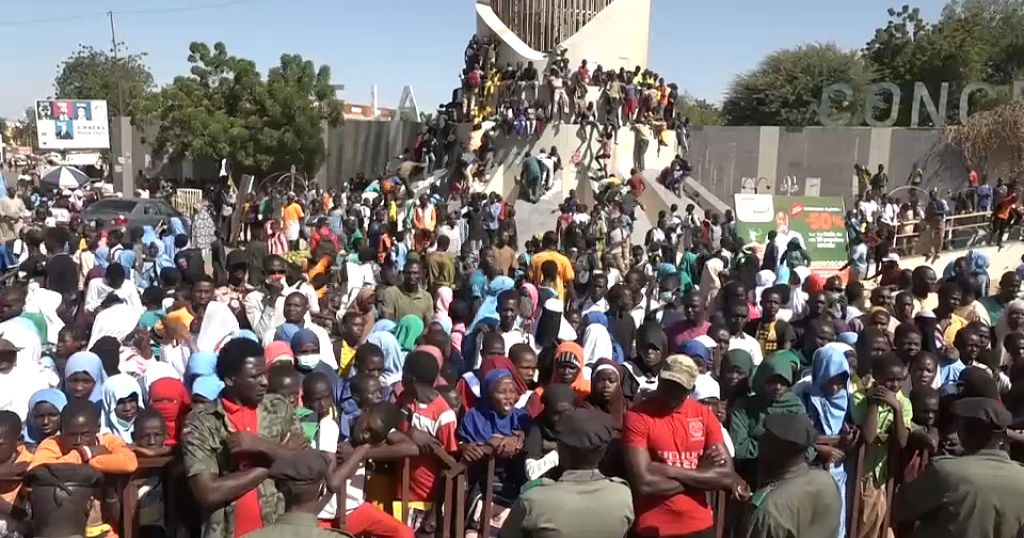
(619, 36)
(818, 160)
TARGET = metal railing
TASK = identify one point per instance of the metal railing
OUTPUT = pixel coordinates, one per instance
(449, 506)
(959, 231)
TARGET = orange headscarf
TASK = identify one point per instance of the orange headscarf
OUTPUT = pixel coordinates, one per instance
(574, 351)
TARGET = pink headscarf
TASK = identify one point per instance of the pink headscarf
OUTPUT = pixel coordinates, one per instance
(277, 350)
(445, 295)
(436, 353)
(534, 294)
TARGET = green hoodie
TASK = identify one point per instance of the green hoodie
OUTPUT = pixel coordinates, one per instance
(746, 419)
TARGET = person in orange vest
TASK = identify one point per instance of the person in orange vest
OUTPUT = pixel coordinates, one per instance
(424, 221)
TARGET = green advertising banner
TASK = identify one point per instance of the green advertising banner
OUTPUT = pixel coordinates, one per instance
(818, 222)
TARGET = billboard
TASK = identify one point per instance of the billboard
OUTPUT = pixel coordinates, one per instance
(72, 124)
(818, 222)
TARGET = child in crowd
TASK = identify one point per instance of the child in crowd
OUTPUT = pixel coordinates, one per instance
(205, 390)
(150, 438)
(451, 395)
(14, 460)
(923, 440)
(881, 411)
(284, 380)
(80, 442)
(366, 391)
(318, 412)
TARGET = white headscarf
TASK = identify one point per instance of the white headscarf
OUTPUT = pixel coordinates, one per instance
(219, 325)
(118, 321)
(597, 344)
(158, 370)
(25, 378)
(762, 281)
(706, 387)
(1003, 329)
(119, 387)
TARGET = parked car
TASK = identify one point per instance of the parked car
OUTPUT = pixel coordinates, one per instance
(130, 213)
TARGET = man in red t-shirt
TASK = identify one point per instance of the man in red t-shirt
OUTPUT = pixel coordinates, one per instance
(675, 453)
(636, 182)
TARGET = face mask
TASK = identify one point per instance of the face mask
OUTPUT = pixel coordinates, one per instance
(308, 362)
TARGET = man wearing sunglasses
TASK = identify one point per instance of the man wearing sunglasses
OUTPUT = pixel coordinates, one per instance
(264, 307)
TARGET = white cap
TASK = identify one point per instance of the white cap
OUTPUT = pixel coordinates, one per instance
(891, 257)
(707, 341)
(706, 387)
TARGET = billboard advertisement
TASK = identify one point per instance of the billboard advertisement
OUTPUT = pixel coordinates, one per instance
(72, 124)
(817, 222)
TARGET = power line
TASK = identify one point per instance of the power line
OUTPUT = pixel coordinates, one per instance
(105, 14)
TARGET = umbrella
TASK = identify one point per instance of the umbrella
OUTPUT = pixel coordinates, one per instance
(64, 176)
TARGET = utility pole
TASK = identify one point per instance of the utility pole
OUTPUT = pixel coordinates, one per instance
(117, 64)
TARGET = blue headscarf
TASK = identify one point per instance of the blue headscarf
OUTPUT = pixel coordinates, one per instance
(696, 350)
(201, 363)
(482, 422)
(489, 308)
(286, 331)
(303, 337)
(127, 260)
(782, 275)
(207, 386)
(90, 363)
(248, 335)
(829, 362)
(600, 318)
(848, 338)
(149, 235)
(445, 323)
(384, 325)
(394, 359)
(102, 256)
(53, 397)
(486, 315)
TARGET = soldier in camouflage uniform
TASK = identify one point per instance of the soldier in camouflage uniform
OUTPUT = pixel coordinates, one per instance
(227, 457)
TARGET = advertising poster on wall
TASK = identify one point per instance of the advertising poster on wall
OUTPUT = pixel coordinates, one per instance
(78, 124)
(817, 222)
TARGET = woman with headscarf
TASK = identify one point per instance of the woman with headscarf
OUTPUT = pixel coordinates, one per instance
(122, 400)
(643, 370)
(445, 296)
(606, 396)
(710, 280)
(1012, 321)
(84, 377)
(305, 345)
(771, 396)
(154, 261)
(530, 310)
(278, 351)
(598, 342)
(206, 389)
(734, 375)
(159, 370)
(364, 303)
(170, 398)
(487, 314)
(394, 357)
(199, 364)
(408, 331)
(568, 370)
(495, 422)
(688, 276)
(117, 321)
(828, 405)
(219, 325)
(551, 329)
(43, 418)
(541, 440)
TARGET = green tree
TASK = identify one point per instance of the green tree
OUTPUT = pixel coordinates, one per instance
(700, 111)
(786, 87)
(224, 109)
(973, 41)
(89, 73)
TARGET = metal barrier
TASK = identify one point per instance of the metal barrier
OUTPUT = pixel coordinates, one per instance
(450, 506)
(959, 231)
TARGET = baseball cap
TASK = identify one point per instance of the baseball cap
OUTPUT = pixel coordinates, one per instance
(796, 429)
(584, 428)
(680, 369)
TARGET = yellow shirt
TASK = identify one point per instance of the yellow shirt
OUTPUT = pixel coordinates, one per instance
(292, 213)
(348, 353)
(566, 273)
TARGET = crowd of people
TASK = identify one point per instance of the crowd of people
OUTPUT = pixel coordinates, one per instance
(615, 389)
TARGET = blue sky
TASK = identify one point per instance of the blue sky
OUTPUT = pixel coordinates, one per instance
(700, 45)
